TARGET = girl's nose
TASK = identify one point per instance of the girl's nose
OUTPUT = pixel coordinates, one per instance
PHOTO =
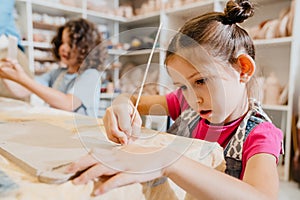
(200, 100)
(64, 47)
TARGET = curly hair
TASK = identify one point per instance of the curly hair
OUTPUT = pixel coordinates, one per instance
(85, 37)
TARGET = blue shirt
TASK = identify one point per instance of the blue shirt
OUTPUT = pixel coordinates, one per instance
(85, 87)
(7, 22)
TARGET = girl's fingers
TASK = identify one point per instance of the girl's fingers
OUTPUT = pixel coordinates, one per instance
(7, 70)
(118, 121)
(108, 128)
(92, 173)
(117, 180)
(16, 66)
(123, 114)
(122, 179)
(5, 64)
(82, 164)
(112, 129)
(9, 62)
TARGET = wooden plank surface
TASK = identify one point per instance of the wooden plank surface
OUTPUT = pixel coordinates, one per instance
(41, 141)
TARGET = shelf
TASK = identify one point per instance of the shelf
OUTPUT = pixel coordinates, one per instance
(42, 45)
(39, 72)
(105, 16)
(25, 43)
(40, 25)
(153, 17)
(139, 19)
(44, 59)
(108, 95)
(53, 8)
(264, 2)
(273, 41)
(39, 45)
(192, 9)
(276, 107)
(131, 53)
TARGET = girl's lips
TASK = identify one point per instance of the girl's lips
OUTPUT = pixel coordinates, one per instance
(205, 113)
(64, 56)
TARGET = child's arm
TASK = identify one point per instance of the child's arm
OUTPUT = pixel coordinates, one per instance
(151, 105)
(14, 72)
(118, 120)
(260, 179)
(16, 89)
(260, 182)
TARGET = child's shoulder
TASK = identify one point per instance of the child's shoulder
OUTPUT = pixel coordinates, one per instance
(266, 130)
(264, 138)
(90, 72)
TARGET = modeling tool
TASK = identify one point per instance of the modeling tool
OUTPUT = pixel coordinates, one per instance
(145, 74)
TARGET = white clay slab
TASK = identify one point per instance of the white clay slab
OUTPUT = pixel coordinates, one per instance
(43, 149)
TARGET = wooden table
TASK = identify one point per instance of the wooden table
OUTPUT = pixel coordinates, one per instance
(36, 140)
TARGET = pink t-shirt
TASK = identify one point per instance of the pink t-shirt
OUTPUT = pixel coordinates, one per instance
(264, 138)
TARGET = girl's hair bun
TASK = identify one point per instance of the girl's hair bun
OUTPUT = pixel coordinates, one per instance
(237, 11)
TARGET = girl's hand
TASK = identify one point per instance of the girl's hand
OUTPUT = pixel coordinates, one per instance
(120, 124)
(12, 70)
(122, 166)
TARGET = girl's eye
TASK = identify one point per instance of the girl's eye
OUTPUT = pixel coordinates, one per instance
(201, 81)
(183, 87)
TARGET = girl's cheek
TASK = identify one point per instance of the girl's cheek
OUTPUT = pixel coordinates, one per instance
(60, 50)
(64, 47)
(190, 97)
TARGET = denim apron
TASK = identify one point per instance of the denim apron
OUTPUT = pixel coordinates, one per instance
(234, 149)
(58, 79)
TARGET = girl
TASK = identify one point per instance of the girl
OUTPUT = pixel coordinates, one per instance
(213, 104)
(74, 87)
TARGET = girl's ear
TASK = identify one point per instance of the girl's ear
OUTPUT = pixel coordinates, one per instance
(247, 67)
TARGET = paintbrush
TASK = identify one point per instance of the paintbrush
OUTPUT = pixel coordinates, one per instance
(144, 78)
